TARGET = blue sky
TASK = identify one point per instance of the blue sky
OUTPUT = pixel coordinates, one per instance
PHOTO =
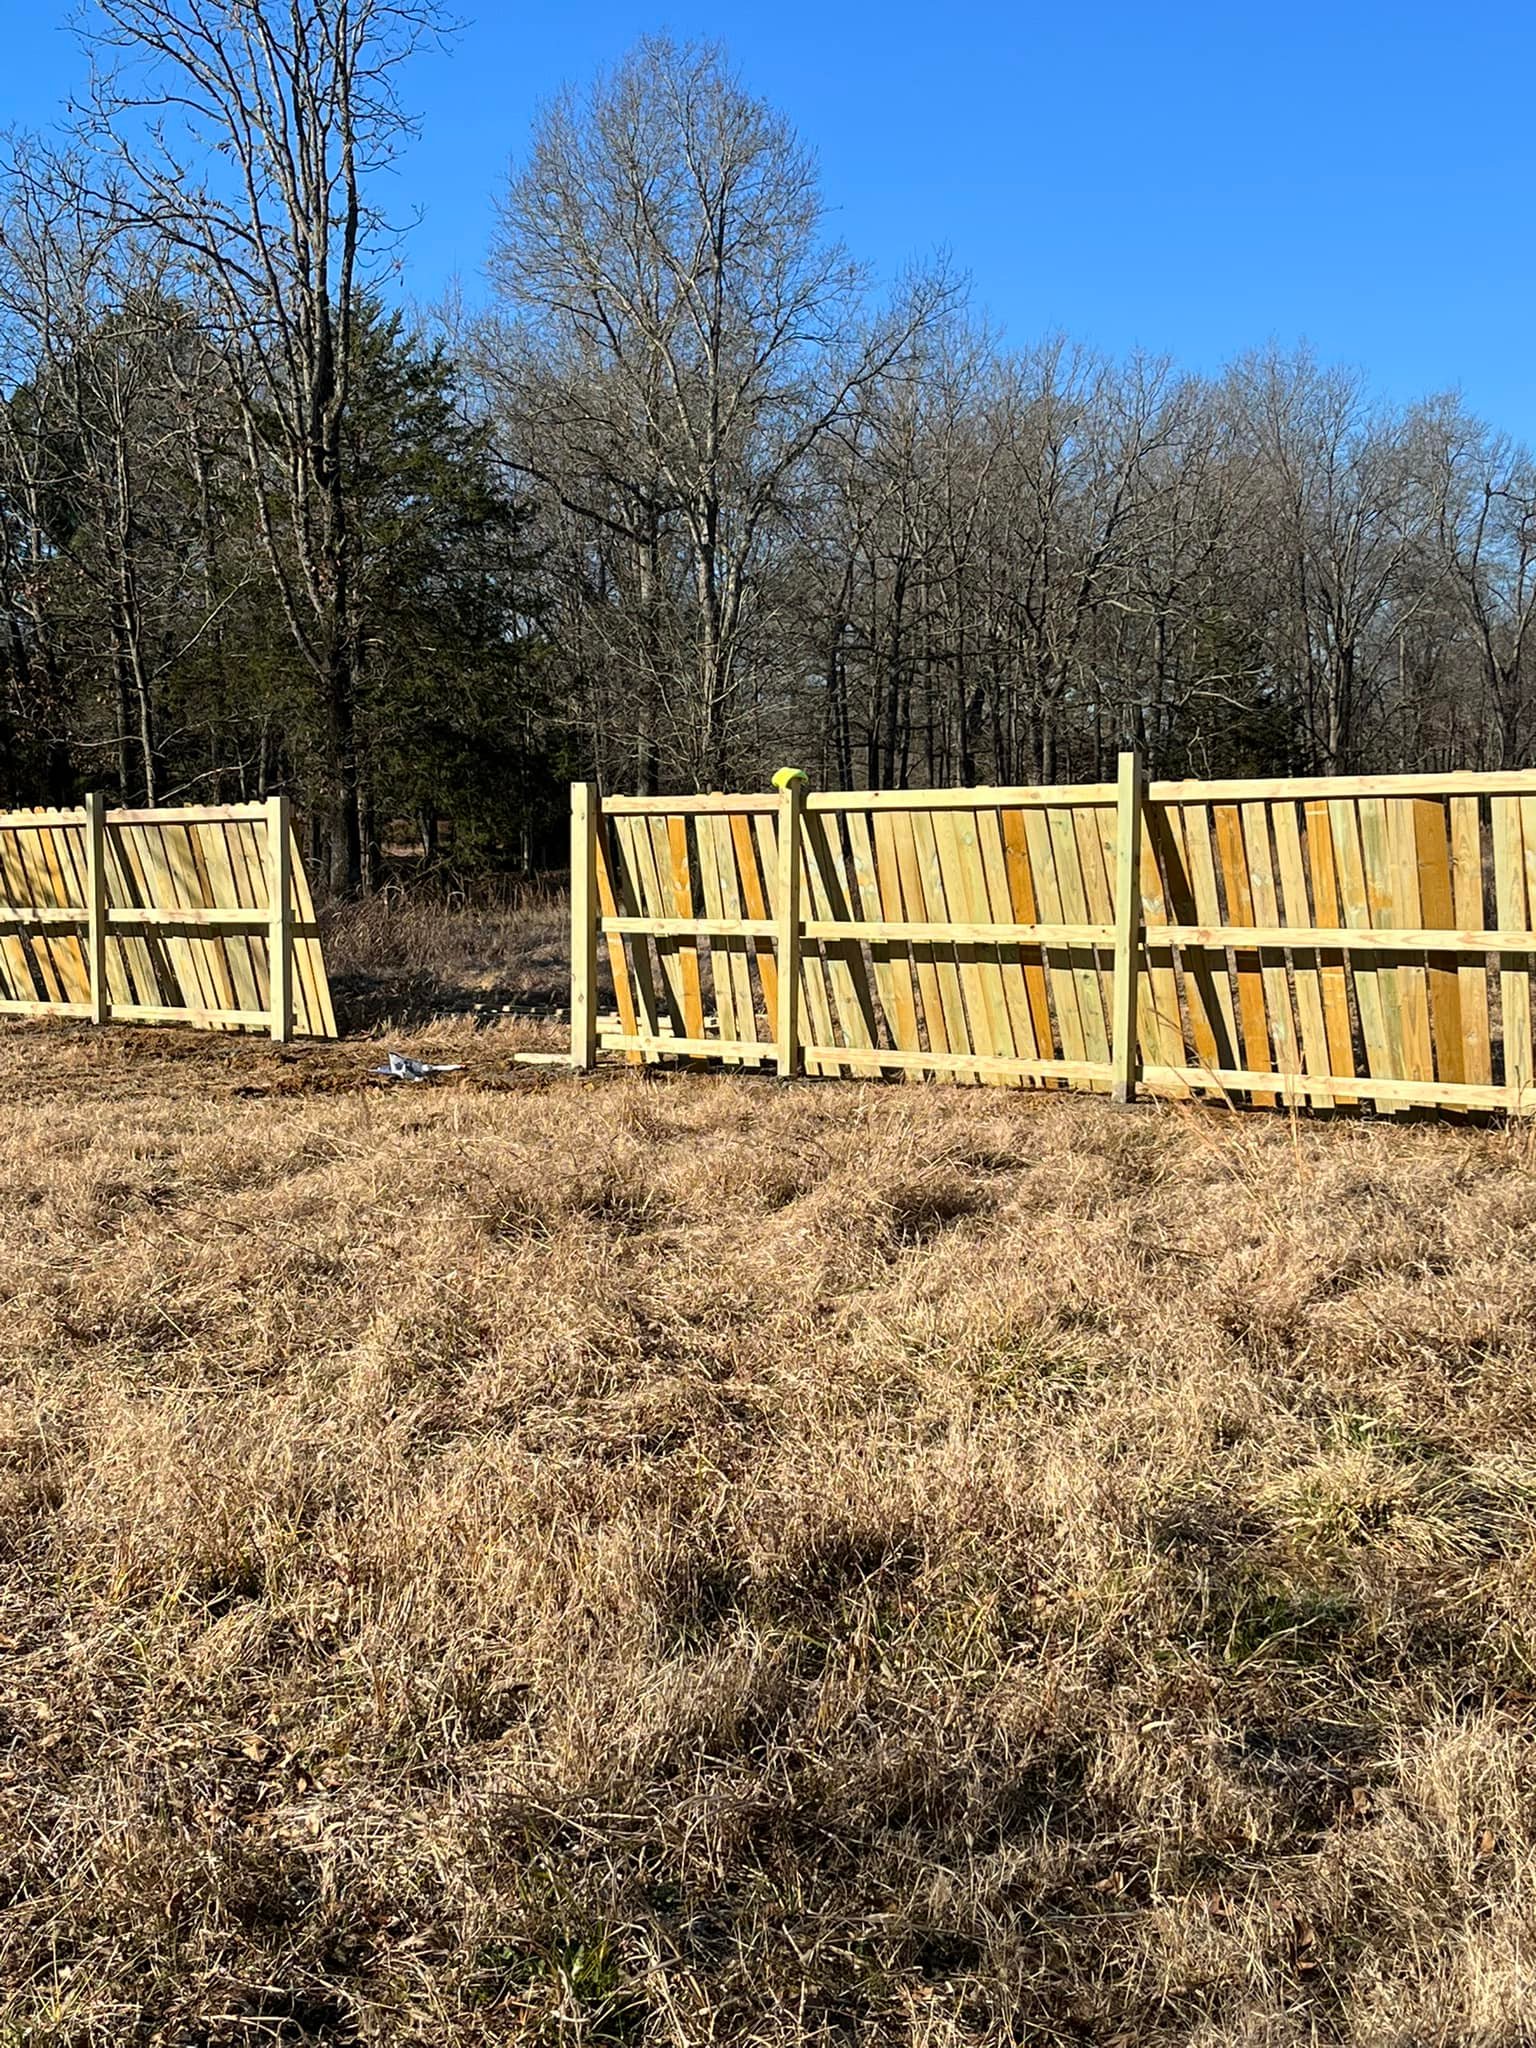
(1193, 179)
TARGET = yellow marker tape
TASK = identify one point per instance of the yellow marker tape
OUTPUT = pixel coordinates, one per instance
(785, 776)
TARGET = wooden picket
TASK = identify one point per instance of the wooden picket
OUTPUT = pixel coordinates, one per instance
(189, 916)
(1323, 941)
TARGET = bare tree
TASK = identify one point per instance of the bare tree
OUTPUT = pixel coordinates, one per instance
(680, 337)
(246, 137)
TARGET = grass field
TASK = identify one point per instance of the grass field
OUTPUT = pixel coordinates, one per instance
(692, 1560)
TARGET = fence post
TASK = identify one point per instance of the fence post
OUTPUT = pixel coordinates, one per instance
(790, 783)
(1130, 789)
(585, 812)
(279, 920)
(96, 904)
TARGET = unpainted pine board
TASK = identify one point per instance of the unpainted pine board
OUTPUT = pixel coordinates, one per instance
(814, 1009)
(1098, 835)
(618, 956)
(1200, 857)
(1437, 911)
(49, 945)
(731, 953)
(142, 982)
(309, 985)
(309, 955)
(1467, 890)
(1024, 910)
(161, 892)
(682, 906)
(218, 947)
(1163, 834)
(1072, 890)
(1380, 891)
(138, 844)
(960, 873)
(998, 898)
(29, 884)
(1150, 1046)
(827, 900)
(1512, 907)
(252, 870)
(902, 898)
(1412, 969)
(17, 982)
(638, 844)
(64, 853)
(1060, 968)
(651, 900)
(641, 891)
(1265, 898)
(1163, 1025)
(1095, 826)
(1252, 1009)
(1285, 820)
(754, 903)
(719, 967)
(186, 895)
(945, 959)
(1332, 970)
(1528, 961)
(1355, 901)
(894, 993)
(1002, 977)
(68, 840)
(216, 859)
(817, 1009)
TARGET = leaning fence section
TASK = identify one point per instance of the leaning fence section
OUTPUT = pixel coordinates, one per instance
(193, 916)
(1334, 942)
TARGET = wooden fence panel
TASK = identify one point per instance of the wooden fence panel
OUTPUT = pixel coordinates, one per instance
(970, 935)
(185, 920)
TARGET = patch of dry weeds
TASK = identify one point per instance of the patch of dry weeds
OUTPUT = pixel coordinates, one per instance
(691, 1560)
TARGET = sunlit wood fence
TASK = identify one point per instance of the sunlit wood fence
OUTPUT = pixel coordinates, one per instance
(198, 916)
(1334, 941)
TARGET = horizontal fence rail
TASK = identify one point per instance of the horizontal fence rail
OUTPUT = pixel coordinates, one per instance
(183, 916)
(1327, 941)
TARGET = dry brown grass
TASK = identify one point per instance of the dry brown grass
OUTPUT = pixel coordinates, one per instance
(693, 1560)
(404, 959)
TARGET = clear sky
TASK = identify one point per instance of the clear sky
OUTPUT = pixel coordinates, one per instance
(1194, 179)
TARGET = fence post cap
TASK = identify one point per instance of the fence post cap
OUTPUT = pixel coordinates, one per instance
(784, 778)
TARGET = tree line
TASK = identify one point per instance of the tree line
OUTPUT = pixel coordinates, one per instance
(688, 496)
